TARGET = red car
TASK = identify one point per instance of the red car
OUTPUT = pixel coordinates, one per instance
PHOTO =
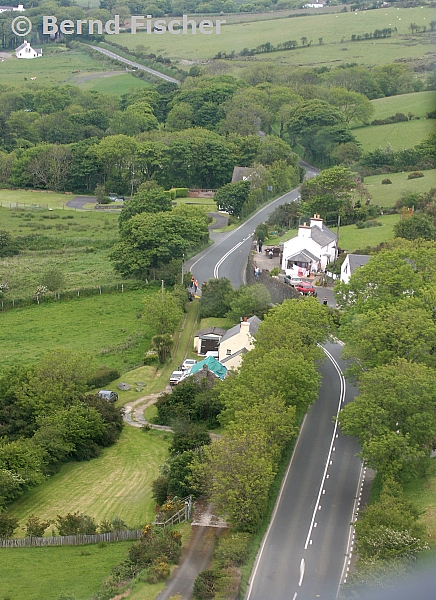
(305, 288)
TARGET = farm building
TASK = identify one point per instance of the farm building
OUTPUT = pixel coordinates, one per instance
(25, 50)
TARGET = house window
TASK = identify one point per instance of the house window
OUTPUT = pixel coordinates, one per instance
(228, 352)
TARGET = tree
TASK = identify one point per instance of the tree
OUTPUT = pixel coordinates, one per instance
(163, 343)
(216, 297)
(8, 525)
(232, 196)
(403, 330)
(188, 436)
(164, 314)
(394, 417)
(248, 301)
(76, 524)
(181, 116)
(35, 527)
(146, 199)
(330, 191)
(414, 227)
(149, 241)
(353, 106)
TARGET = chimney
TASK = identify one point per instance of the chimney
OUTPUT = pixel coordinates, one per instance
(316, 220)
(304, 231)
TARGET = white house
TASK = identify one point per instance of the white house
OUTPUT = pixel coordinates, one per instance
(351, 263)
(25, 50)
(237, 341)
(311, 250)
(19, 8)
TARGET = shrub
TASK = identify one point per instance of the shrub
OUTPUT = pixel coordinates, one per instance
(102, 376)
(204, 585)
(181, 192)
(159, 570)
(151, 357)
(415, 175)
(232, 550)
(386, 181)
(76, 524)
(8, 524)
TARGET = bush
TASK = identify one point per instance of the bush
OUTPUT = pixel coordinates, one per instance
(386, 181)
(181, 192)
(204, 585)
(151, 357)
(232, 550)
(76, 524)
(8, 524)
(159, 570)
(415, 175)
(102, 376)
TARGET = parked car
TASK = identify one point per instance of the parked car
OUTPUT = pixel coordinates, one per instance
(293, 280)
(176, 376)
(108, 395)
(306, 289)
(188, 363)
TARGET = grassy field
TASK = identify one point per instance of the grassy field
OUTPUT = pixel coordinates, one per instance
(116, 484)
(351, 238)
(116, 85)
(331, 27)
(33, 198)
(397, 135)
(45, 573)
(420, 103)
(387, 195)
(108, 327)
(57, 65)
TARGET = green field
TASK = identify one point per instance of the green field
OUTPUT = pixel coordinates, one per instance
(45, 573)
(108, 327)
(116, 85)
(419, 103)
(331, 27)
(32, 197)
(397, 135)
(351, 238)
(387, 195)
(52, 68)
(116, 484)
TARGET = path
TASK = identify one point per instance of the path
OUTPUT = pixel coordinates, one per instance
(135, 64)
(79, 202)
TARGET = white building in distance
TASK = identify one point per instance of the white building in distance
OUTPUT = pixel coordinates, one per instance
(19, 8)
(25, 50)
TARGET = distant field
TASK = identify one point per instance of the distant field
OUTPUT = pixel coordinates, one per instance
(351, 238)
(45, 573)
(50, 69)
(116, 484)
(330, 27)
(387, 195)
(35, 197)
(397, 135)
(114, 84)
(419, 103)
(106, 326)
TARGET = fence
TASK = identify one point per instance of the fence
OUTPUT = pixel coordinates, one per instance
(183, 514)
(72, 540)
(128, 286)
(278, 291)
(25, 206)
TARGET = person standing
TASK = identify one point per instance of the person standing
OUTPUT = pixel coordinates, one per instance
(325, 301)
(259, 245)
(195, 286)
(192, 281)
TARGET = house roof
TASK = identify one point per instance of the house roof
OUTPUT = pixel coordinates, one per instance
(323, 236)
(228, 358)
(242, 173)
(212, 365)
(303, 256)
(21, 46)
(357, 260)
(219, 331)
(254, 325)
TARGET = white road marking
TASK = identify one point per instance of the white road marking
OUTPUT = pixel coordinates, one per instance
(302, 566)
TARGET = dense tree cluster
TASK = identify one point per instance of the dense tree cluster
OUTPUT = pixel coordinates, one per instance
(47, 418)
(219, 299)
(388, 326)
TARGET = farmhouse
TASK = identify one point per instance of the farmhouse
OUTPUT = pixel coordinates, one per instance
(350, 264)
(311, 250)
(25, 50)
(237, 341)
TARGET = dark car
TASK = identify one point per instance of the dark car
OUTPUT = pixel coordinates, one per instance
(108, 395)
(306, 289)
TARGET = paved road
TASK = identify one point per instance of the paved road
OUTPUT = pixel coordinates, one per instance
(304, 554)
(135, 64)
(228, 255)
(79, 202)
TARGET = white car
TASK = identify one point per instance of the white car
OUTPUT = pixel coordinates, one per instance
(188, 363)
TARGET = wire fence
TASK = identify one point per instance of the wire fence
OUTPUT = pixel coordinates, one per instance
(83, 292)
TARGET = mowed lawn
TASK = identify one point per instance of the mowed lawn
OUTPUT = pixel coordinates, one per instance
(46, 573)
(109, 327)
(9, 198)
(397, 135)
(387, 194)
(116, 484)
